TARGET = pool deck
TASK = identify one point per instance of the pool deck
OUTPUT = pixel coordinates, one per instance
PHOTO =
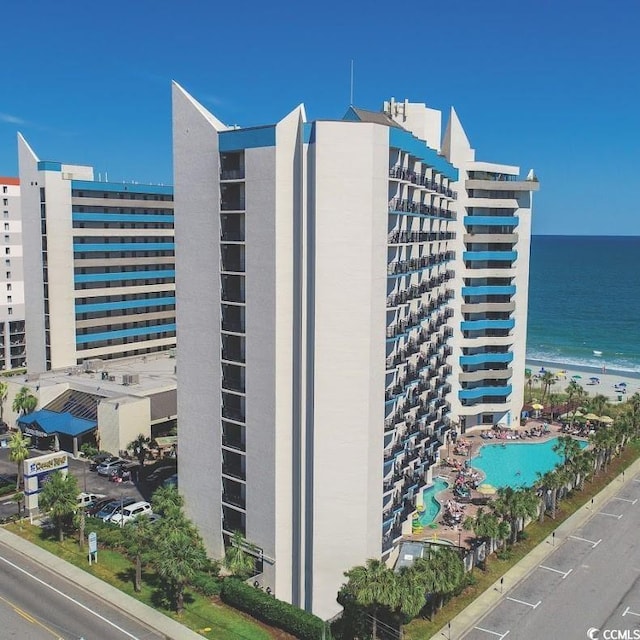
(456, 534)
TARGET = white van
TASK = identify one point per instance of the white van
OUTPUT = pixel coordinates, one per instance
(132, 511)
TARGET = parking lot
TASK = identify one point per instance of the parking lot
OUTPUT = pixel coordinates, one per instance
(90, 481)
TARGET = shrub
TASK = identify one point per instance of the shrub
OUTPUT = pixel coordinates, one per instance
(274, 612)
(207, 584)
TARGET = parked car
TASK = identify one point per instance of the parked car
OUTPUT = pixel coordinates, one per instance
(99, 459)
(113, 507)
(171, 481)
(125, 472)
(98, 506)
(106, 468)
(161, 472)
(134, 510)
(87, 500)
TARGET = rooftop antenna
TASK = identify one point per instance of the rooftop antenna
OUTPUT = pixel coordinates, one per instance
(351, 93)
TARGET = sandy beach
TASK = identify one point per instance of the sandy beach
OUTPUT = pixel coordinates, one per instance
(606, 386)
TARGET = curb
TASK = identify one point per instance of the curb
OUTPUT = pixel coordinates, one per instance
(492, 596)
(149, 616)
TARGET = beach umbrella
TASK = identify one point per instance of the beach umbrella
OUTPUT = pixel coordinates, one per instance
(577, 377)
(592, 416)
(487, 490)
(606, 420)
(622, 384)
(594, 379)
(537, 406)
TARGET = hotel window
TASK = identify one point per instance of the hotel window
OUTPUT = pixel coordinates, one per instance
(4, 189)
(5, 214)
(8, 286)
(7, 263)
(8, 274)
(6, 238)
(9, 311)
(9, 299)
(6, 226)
(7, 250)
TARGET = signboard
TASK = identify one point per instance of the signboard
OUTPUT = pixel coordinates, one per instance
(93, 547)
(36, 471)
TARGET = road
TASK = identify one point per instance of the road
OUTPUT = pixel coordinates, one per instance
(36, 604)
(589, 584)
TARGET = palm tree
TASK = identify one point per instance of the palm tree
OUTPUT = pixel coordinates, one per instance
(59, 498)
(237, 560)
(24, 402)
(633, 409)
(4, 389)
(18, 452)
(412, 587)
(598, 404)
(139, 447)
(513, 505)
(582, 466)
(138, 541)
(177, 558)
(375, 587)
(548, 379)
(167, 502)
(443, 570)
(567, 447)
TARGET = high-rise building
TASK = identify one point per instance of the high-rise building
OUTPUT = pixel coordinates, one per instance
(99, 265)
(492, 275)
(314, 281)
(12, 330)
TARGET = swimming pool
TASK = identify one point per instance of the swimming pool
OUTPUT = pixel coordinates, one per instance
(431, 505)
(515, 464)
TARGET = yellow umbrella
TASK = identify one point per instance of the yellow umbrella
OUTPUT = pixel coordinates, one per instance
(605, 420)
(487, 490)
(537, 406)
(592, 416)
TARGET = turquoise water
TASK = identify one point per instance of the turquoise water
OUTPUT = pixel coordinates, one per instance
(432, 506)
(584, 296)
(515, 464)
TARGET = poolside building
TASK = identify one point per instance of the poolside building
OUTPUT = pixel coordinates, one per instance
(315, 274)
(492, 275)
(98, 265)
(12, 310)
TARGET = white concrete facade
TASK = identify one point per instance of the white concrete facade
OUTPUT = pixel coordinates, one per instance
(492, 271)
(312, 282)
(12, 307)
(99, 265)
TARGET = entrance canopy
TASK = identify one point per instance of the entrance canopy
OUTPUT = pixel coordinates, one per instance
(45, 423)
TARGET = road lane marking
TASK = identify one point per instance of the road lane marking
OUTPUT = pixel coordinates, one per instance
(533, 606)
(64, 595)
(29, 618)
(591, 542)
(493, 633)
(564, 574)
(612, 515)
(631, 613)
(625, 500)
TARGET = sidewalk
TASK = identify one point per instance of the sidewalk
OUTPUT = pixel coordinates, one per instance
(483, 604)
(154, 619)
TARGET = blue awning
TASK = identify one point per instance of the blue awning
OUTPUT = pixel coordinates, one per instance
(49, 423)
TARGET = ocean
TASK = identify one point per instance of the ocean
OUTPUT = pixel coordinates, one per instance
(584, 302)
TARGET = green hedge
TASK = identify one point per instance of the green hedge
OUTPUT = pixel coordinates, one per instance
(207, 584)
(274, 612)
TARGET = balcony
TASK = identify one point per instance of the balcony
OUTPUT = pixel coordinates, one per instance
(489, 256)
(485, 392)
(232, 174)
(494, 184)
(487, 324)
(397, 205)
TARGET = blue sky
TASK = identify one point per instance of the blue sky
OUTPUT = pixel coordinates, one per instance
(551, 85)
